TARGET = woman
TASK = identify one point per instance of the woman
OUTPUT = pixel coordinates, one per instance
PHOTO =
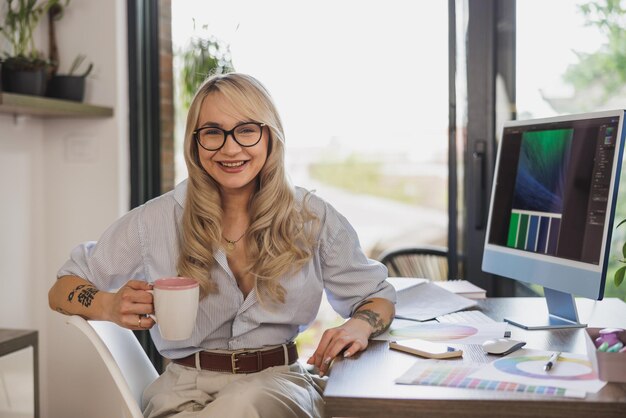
(262, 251)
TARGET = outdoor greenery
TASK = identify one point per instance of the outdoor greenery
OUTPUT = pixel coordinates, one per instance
(203, 56)
(358, 175)
(605, 67)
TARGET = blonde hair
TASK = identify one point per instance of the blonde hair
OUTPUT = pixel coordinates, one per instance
(279, 239)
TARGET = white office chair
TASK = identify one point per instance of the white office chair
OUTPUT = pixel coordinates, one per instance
(124, 358)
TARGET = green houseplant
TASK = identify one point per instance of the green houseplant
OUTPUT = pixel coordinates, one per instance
(23, 66)
(618, 278)
(70, 86)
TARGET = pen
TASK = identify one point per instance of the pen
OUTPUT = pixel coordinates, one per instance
(551, 361)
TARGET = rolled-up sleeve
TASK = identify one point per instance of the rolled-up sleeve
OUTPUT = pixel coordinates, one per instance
(112, 260)
(349, 276)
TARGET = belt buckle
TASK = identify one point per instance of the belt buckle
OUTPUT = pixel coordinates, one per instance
(234, 360)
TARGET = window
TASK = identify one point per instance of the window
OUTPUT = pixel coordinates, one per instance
(571, 65)
(362, 88)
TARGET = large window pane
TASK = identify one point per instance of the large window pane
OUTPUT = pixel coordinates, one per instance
(571, 59)
(553, 37)
(362, 88)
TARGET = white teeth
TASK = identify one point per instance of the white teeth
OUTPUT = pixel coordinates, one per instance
(240, 163)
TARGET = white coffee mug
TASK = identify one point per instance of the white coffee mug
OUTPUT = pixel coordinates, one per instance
(175, 306)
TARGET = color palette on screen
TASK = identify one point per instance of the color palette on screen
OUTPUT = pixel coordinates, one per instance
(458, 376)
(536, 232)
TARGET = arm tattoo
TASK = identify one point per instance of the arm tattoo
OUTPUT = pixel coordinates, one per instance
(70, 297)
(372, 318)
(86, 295)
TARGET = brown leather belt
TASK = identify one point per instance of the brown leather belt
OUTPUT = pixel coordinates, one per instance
(244, 361)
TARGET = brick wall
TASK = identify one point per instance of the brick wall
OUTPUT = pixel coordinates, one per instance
(166, 86)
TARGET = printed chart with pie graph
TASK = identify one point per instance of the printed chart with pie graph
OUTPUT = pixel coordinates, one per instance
(573, 371)
(567, 368)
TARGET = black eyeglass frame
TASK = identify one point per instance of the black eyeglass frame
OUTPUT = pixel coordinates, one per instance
(226, 133)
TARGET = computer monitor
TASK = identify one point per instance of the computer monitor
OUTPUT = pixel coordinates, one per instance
(552, 209)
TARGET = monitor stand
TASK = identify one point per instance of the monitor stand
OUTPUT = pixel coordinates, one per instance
(562, 313)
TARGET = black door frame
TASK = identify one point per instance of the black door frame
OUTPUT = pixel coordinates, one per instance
(144, 118)
(453, 227)
(490, 55)
(143, 94)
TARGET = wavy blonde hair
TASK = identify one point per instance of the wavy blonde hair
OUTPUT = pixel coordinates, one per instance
(279, 239)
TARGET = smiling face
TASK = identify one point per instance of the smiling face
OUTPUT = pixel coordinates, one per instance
(233, 167)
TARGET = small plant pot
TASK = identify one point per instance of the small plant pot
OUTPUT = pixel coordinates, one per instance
(29, 82)
(67, 87)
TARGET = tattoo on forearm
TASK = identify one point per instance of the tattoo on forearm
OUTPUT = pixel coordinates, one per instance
(70, 297)
(85, 296)
(374, 319)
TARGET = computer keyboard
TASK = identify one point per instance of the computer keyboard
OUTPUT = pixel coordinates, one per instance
(465, 317)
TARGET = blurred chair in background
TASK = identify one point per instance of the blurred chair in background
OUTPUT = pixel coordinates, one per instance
(424, 262)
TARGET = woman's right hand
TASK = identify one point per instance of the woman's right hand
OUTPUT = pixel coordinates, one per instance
(73, 295)
(130, 306)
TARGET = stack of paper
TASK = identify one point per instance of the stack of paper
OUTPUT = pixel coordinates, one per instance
(420, 300)
(463, 288)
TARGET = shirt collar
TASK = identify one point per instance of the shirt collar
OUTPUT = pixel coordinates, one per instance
(180, 193)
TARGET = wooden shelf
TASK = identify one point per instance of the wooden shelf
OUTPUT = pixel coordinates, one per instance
(45, 107)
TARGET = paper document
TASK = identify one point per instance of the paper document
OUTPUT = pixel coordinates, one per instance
(463, 288)
(401, 283)
(463, 375)
(428, 301)
(526, 366)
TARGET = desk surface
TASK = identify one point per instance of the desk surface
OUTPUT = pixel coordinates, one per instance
(12, 340)
(364, 386)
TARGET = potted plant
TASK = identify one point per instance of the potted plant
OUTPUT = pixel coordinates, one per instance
(72, 85)
(23, 67)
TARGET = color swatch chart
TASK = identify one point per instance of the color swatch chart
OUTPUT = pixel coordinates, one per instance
(534, 231)
(457, 375)
(526, 366)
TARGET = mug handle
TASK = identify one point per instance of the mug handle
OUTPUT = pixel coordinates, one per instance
(153, 316)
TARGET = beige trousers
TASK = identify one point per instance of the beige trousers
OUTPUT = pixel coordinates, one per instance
(276, 392)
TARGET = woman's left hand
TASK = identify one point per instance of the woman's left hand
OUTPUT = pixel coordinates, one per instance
(352, 336)
(372, 317)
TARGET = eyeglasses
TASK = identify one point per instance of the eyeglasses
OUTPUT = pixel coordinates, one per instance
(245, 134)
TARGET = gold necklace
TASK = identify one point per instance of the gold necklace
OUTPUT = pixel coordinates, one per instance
(230, 245)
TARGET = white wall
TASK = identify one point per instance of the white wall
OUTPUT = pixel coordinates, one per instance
(62, 182)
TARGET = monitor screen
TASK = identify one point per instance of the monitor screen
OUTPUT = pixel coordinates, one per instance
(553, 201)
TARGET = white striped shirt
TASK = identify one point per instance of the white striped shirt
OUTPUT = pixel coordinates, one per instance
(143, 245)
